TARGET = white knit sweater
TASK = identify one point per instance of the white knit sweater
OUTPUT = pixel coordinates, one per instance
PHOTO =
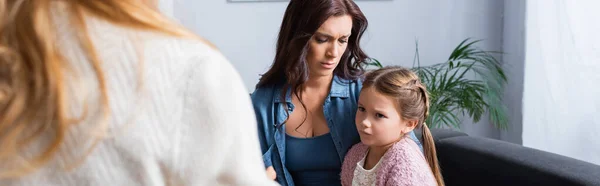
(179, 115)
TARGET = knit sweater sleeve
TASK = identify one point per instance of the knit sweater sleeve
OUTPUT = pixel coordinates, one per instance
(221, 146)
(354, 155)
(409, 166)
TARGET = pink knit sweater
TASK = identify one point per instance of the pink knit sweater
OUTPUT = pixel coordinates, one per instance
(402, 164)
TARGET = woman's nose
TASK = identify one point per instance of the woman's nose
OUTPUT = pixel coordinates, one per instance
(333, 51)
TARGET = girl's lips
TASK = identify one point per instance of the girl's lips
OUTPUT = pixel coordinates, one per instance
(363, 132)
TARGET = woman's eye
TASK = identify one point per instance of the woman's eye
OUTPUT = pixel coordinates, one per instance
(344, 41)
(380, 115)
(361, 109)
(319, 40)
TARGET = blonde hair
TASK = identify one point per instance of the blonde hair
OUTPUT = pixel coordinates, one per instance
(411, 96)
(31, 67)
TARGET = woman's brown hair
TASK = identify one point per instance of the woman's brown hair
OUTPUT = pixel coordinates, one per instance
(411, 96)
(32, 87)
(301, 20)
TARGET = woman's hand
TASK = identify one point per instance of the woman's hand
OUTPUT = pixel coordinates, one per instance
(271, 173)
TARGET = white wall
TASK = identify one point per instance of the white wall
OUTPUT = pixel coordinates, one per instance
(166, 7)
(246, 32)
(514, 65)
(561, 98)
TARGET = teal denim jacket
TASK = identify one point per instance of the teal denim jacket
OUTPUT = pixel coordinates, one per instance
(339, 110)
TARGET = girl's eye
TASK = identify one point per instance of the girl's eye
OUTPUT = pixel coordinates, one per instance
(362, 109)
(380, 115)
(343, 41)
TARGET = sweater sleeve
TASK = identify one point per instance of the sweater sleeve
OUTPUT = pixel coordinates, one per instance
(409, 167)
(222, 141)
(354, 155)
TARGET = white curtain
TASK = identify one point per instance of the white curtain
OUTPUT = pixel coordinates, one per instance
(561, 93)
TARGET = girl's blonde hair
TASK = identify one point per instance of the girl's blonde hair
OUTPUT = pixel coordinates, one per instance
(32, 95)
(411, 96)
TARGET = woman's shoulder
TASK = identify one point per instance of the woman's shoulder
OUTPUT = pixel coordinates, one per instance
(264, 95)
(188, 50)
(352, 83)
(154, 49)
(265, 90)
(130, 44)
(347, 87)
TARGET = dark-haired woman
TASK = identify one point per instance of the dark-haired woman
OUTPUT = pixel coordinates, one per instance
(306, 102)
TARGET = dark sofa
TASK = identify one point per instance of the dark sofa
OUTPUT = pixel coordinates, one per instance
(467, 160)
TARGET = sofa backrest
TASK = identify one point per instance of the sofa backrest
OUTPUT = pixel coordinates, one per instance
(466, 160)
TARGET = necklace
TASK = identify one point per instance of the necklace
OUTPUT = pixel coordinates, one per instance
(310, 130)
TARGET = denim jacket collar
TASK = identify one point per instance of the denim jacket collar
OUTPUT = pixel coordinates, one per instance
(338, 89)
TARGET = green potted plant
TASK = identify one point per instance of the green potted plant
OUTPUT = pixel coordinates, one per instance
(470, 82)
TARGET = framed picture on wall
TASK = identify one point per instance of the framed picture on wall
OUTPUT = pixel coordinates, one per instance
(254, 0)
(285, 0)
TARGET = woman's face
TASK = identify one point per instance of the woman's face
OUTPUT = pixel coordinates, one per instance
(327, 45)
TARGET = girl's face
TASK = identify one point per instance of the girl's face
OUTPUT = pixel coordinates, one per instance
(378, 119)
(328, 44)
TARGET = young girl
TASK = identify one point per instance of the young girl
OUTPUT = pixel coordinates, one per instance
(392, 103)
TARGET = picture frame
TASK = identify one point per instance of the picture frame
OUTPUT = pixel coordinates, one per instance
(240, 1)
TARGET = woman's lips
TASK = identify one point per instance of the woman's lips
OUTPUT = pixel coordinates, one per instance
(328, 65)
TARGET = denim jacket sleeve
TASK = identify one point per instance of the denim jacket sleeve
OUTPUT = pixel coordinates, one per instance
(262, 105)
